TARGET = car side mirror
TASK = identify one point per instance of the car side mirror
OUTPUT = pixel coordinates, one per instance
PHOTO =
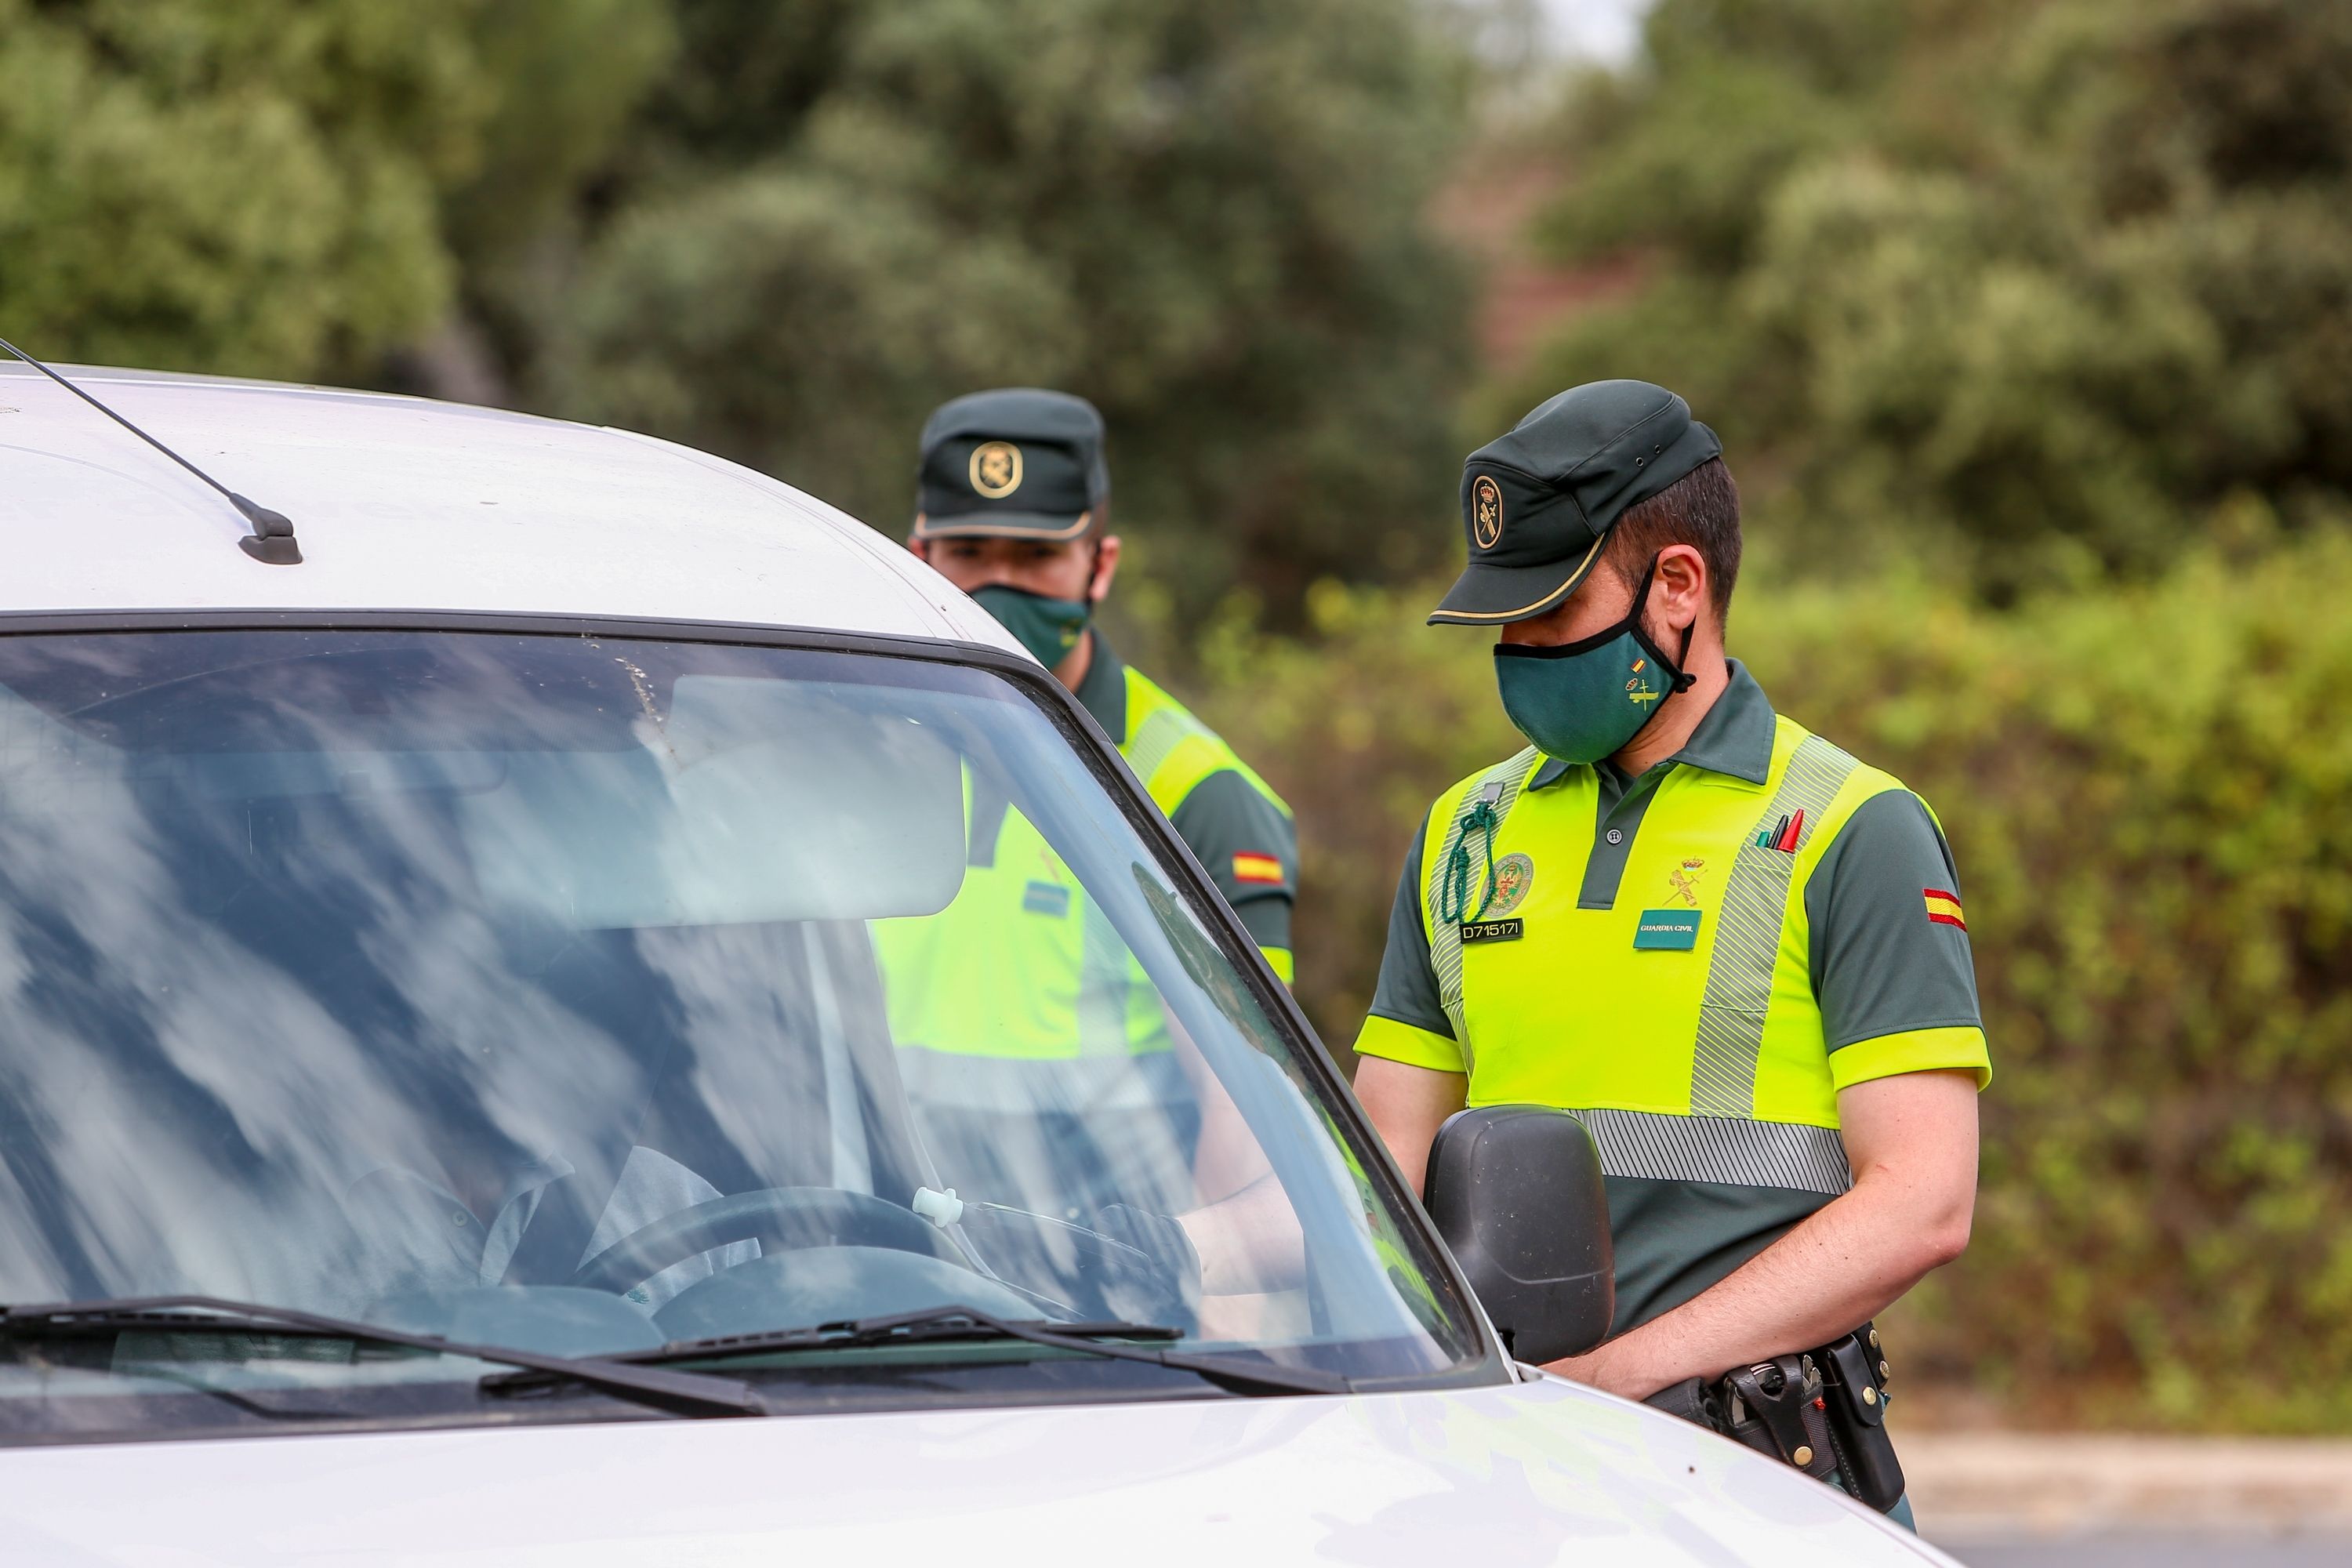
(1516, 1192)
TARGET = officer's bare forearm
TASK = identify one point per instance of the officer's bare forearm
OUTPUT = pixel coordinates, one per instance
(1226, 1157)
(1912, 1141)
(1407, 1106)
(1248, 1242)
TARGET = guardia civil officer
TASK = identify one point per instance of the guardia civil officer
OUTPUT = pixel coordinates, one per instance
(1736, 952)
(1014, 1000)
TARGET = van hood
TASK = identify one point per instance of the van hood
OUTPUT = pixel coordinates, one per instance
(1534, 1473)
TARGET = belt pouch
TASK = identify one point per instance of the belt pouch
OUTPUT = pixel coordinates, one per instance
(1855, 1390)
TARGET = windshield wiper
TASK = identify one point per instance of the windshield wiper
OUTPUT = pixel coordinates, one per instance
(933, 1324)
(679, 1393)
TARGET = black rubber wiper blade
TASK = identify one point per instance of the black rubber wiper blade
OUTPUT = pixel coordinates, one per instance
(930, 1326)
(679, 1393)
(951, 1322)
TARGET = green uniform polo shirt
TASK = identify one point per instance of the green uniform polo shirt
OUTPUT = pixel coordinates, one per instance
(1896, 990)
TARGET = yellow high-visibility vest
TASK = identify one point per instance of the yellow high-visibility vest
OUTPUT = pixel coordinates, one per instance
(1023, 965)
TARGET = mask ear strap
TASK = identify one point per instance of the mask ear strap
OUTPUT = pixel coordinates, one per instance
(1684, 678)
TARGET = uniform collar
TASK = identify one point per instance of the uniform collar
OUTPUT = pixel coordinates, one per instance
(1103, 693)
(1735, 738)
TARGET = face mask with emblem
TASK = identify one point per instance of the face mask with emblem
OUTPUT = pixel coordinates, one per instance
(1048, 628)
(1585, 700)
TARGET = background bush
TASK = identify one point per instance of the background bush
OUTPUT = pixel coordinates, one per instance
(2145, 788)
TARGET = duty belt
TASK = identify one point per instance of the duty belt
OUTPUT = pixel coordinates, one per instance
(1823, 1411)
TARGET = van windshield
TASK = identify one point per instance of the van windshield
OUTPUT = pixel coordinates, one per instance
(587, 994)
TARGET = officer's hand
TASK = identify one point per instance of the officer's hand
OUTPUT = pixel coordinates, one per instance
(1165, 1286)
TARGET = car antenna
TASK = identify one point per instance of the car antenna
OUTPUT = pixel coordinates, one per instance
(272, 539)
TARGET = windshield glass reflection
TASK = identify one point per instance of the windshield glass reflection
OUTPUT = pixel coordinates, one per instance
(586, 996)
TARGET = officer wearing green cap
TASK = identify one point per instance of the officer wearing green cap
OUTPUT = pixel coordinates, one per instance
(1735, 950)
(1013, 507)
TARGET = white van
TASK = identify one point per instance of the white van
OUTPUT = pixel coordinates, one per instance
(450, 1106)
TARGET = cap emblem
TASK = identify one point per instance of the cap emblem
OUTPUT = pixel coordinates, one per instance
(1487, 511)
(996, 468)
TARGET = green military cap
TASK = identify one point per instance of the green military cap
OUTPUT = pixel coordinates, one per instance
(1538, 503)
(1017, 462)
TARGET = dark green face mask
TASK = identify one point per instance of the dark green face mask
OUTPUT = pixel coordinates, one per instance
(1586, 701)
(1048, 628)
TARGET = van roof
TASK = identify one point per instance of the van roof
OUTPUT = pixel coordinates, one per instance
(402, 503)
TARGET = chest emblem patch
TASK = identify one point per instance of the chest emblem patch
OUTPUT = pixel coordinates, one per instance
(1515, 877)
(1684, 880)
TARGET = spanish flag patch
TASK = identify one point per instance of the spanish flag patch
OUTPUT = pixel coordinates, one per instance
(1264, 870)
(1944, 909)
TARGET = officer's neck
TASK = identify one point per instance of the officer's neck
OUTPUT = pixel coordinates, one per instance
(1680, 715)
(1072, 671)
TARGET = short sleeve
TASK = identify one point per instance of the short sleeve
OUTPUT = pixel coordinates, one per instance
(1892, 967)
(1249, 846)
(1408, 1024)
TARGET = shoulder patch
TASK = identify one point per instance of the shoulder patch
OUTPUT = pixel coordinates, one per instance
(1944, 909)
(1264, 870)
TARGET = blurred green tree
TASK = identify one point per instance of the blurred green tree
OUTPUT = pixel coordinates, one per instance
(1979, 275)
(1206, 216)
(295, 187)
(237, 187)
(570, 76)
(786, 230)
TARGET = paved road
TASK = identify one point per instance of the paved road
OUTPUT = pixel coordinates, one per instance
(2175, 1548)
(1996, 1499)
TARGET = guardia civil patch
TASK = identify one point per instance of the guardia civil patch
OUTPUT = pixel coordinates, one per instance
(1045, 899)
(1515, 876)
(1666, 931)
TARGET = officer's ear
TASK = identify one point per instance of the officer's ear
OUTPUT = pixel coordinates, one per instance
(1678, 588)
(1105, 567)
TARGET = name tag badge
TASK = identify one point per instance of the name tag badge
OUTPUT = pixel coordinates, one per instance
(1045, 899)
(1492, 931)
(1667, 931)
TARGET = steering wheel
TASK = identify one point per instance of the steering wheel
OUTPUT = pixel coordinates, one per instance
(774, 1217)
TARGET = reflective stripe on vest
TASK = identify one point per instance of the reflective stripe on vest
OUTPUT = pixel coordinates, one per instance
(1592, 1006)
(1748, 934)
(1718, 1148)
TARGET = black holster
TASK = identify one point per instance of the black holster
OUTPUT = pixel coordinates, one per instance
(1853, 1378)
(1823, 1412)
